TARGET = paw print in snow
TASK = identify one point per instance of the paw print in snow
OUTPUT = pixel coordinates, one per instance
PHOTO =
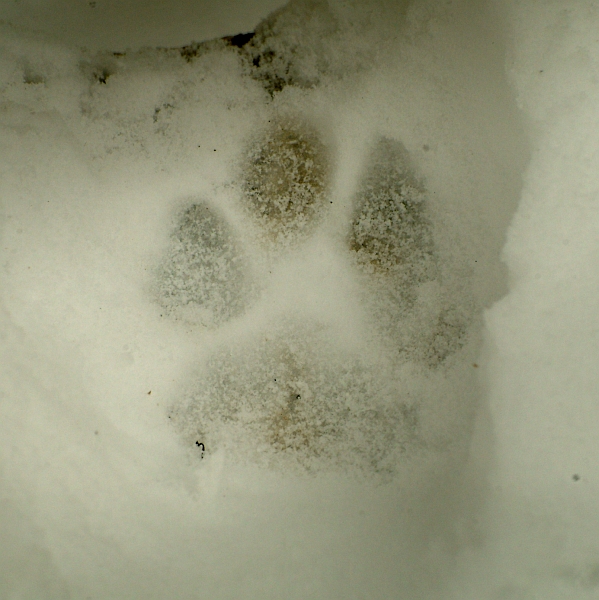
(202, 278)
(287, 174)
(292, 397)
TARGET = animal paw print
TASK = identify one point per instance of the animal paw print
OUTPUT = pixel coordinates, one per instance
(293, 400)
(286, 179)
(391, 234)
(392, 244)
(293, 396)
(202, 278)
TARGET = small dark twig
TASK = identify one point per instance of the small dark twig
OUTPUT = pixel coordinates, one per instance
(201, 445)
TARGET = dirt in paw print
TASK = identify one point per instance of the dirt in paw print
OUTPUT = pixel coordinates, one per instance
(286, 180)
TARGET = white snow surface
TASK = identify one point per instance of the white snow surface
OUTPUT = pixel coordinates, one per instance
(314, 317)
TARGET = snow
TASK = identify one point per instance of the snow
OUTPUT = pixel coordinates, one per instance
(307, 315)
(541, 519)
